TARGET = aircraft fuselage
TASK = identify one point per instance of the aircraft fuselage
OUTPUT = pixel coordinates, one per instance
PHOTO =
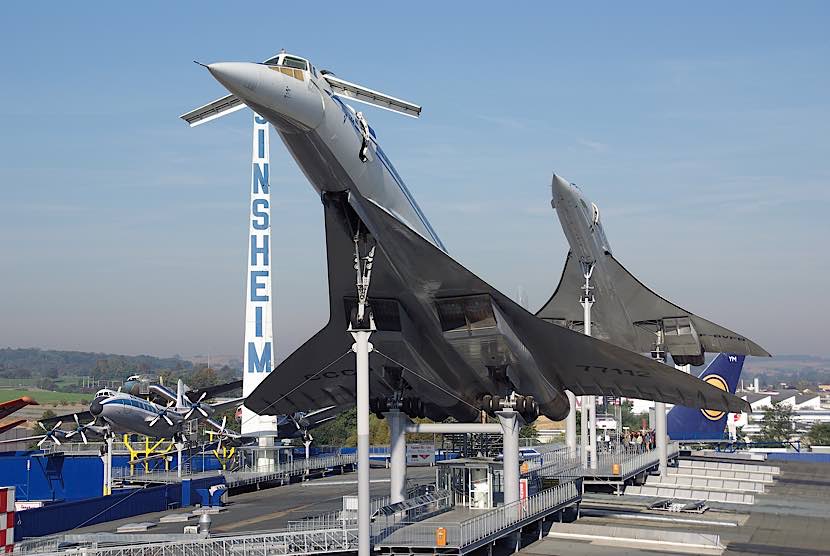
(581, 224)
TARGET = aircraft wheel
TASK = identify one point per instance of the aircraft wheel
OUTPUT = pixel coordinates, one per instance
(495, 404)
(521, 405)
(486, 402)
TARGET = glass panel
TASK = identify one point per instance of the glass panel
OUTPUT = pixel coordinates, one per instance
(298, 74)
(298, 63)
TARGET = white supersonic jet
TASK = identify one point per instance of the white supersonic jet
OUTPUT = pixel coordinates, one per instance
(447, 343)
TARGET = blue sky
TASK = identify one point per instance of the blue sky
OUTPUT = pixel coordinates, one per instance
(699, 130)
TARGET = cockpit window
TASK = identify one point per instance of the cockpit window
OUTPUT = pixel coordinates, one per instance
(272, 61)
(297, 63)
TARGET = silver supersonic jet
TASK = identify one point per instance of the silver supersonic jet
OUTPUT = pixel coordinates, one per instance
(447, 343)
(626, 312)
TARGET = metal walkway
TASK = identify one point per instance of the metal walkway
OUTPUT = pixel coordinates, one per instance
(462, 530)
(630, 465)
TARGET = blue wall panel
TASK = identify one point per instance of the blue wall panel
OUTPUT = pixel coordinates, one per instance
(798, 456)
(64, 516)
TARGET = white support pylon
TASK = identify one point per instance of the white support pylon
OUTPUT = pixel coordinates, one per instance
(587, 301)
(108, 466)
(258, 354)
(361, 328)
(397, 455)
(660, 436)
(570, 422)
(583, 430)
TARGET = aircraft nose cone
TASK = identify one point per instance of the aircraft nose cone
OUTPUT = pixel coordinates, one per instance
(95, 407)
(240, 78)
(560, 190)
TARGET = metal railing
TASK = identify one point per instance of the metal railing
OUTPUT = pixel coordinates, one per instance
(630, 460)
(560, 461)
(240, 476)
(491, 524)
(288, 543)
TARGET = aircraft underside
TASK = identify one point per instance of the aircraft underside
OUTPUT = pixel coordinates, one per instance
(447, 338)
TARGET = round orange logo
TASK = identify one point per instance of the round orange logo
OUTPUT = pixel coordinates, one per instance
(719, 383)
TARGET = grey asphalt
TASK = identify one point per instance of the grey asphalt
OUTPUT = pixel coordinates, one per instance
(273, 508)
(791, 519)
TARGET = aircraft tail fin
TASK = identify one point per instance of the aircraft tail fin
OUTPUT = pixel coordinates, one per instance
(180, 395)
(685, 423)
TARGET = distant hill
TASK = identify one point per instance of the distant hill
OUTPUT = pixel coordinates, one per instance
(788, 368)
(36, 363)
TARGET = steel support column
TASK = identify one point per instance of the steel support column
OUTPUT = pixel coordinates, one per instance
(362, 347)
(397, 455)
(509, 421)
(583, 430)
(570, 422)
(661, 437)
(592, 426)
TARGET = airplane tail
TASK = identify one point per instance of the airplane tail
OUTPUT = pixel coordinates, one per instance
(180, 395)
(685, 423)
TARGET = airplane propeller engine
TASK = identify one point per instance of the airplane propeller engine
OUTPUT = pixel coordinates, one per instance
(80, 429)
(222, 432)
(197, 406)
(51, 434)
(162, 414)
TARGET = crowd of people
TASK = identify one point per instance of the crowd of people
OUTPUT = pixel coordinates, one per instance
(634, 441)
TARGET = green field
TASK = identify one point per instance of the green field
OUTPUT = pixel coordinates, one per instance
(45, 397)
(32, 382)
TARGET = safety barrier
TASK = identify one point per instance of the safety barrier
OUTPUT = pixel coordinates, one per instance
(485, 527)
(628, 462)
(243, 476)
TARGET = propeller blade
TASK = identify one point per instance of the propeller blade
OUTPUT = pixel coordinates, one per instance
(75, 415)
(70, 434)
(189, 414)
(83, 437)
(166, 418)
(90, 423)
(155, 420)
(56, 427)
(202, 411)
(56, 441)
(202, 397)
(42, 440)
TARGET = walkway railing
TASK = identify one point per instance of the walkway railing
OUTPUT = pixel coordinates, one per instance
(630, 460)
(241, 476)
(491, 524)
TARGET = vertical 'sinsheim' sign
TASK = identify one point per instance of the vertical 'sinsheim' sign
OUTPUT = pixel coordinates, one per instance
(259, 336)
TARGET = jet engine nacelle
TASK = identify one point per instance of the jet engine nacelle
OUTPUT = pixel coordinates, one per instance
(682, 341)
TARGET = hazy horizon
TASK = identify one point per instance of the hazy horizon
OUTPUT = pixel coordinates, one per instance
(124, 231)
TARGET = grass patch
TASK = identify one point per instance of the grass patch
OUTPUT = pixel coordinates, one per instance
(45, 397)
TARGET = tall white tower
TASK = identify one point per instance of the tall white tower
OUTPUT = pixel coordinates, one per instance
(259, 335)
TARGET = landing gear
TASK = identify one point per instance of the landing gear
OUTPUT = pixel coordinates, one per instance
(526, 406)
(413, 407)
